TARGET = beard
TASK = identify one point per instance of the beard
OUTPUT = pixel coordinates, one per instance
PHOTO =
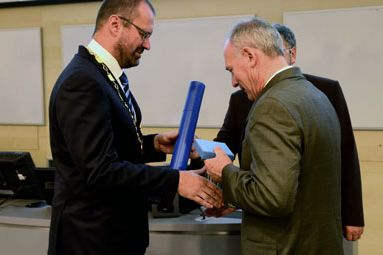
(127, 56)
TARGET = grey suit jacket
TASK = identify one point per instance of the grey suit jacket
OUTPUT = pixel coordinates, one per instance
(288, 184)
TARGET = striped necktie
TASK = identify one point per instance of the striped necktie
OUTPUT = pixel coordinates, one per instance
(128, 95)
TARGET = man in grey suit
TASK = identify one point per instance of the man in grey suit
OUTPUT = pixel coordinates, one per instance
(288, 183)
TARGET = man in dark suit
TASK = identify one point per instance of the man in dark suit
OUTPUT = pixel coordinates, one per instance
(288, 183)
(239, 106)
(102, 183)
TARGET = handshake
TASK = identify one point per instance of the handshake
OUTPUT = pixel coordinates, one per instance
(207, 191)
(192, 185)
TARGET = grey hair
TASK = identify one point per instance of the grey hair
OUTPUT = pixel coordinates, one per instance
(257, 33)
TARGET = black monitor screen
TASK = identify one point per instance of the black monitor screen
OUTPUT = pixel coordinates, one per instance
(17, 177)
(46, 177)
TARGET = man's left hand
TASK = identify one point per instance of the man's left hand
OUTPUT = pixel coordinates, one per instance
(352, 233)
(164, 142)
(214, 166)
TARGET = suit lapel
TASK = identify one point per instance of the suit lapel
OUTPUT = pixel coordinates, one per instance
(83, 52)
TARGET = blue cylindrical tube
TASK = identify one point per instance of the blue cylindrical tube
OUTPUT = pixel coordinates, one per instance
(188, 125)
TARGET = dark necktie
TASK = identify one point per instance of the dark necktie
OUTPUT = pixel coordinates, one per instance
(128, 95)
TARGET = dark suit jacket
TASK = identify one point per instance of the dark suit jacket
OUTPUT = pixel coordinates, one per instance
(352, 204)
(288, 184)
(102, 184)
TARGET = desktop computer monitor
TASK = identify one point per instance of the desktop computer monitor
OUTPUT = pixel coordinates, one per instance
(17, 176)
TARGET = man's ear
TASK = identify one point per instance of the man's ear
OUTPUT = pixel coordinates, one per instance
(114, 25)
(293, 55)
(250, 55)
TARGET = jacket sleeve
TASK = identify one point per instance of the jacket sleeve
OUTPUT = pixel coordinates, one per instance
(83, 114)
(269, 186)
(352, 204)
(229, 133)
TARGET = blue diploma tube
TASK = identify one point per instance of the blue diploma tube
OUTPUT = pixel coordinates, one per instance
(188, 125)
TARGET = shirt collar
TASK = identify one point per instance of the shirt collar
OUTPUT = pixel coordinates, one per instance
(106, 57)
(277, 72)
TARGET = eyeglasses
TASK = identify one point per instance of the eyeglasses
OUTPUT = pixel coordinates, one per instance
(289, 49)
(144, 34)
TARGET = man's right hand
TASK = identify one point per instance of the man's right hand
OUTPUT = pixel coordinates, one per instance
(219, 212)
(197, 188)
